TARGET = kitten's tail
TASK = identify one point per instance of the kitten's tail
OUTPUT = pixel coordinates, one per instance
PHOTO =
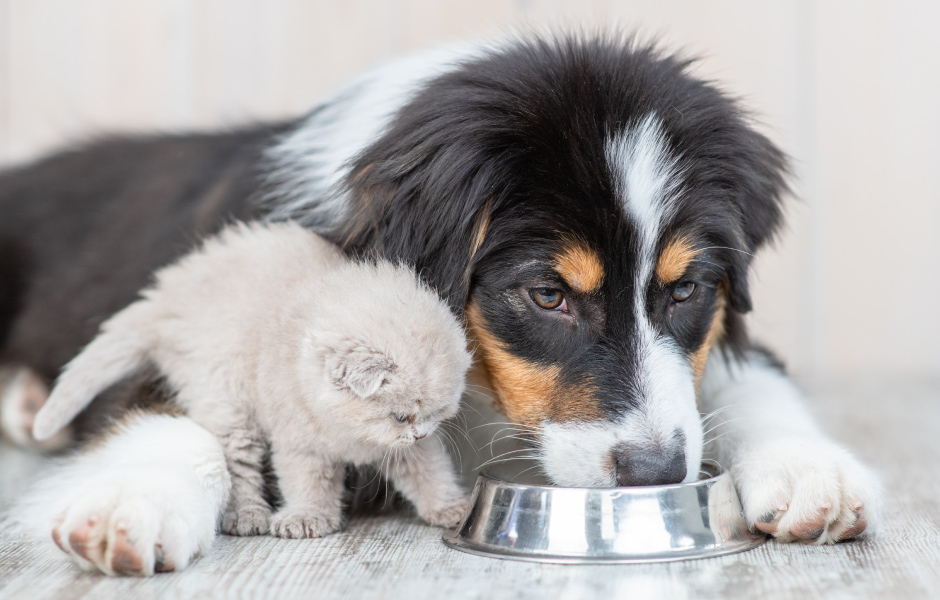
(119, 350)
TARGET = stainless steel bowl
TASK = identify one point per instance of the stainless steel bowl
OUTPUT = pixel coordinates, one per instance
(543, 523)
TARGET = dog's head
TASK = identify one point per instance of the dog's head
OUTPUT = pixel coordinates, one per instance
(592, 211)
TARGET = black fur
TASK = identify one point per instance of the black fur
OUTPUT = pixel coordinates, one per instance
(82, 231)
(519, 137)
(516, 139)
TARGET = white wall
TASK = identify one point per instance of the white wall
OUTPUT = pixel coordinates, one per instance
(850, 88)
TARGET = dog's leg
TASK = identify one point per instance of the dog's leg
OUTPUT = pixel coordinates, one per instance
(147, 499)
(794, 482)
(425, 475)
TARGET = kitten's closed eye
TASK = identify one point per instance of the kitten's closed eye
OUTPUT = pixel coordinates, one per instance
(405, 418)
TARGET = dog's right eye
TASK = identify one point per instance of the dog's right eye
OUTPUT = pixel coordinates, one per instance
(548, 298)
(683, 291)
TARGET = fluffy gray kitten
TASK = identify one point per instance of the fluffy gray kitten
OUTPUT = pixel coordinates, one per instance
(269, 336)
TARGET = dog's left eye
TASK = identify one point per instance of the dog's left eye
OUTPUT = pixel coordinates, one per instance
(549, 298)
(683, 291)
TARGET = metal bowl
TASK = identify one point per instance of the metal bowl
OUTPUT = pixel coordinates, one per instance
(543, 523)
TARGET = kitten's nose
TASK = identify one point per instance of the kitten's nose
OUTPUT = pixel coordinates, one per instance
(649, 466)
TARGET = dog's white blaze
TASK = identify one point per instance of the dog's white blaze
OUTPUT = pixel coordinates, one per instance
(646, 177)
(309, 165)
(667, 401)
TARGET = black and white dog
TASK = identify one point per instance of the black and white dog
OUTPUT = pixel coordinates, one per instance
(590, 209)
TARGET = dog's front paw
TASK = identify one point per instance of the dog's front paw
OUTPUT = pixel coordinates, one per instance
(304, 523)
(806, 490)
(246, 520)
(123, 525)
(449, 515)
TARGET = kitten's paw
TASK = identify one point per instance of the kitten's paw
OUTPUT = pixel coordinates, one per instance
(806, 490)
(449, 515)
(297, 524)
(248, 520)
(21, 397)
(124, 525)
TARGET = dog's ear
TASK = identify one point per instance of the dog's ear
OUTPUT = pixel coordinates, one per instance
(358, 368)
(760, 176)
(433, 216)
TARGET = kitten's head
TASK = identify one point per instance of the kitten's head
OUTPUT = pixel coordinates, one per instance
(391, 357)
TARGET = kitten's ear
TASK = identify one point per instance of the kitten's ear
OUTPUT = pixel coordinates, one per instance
(360, 369)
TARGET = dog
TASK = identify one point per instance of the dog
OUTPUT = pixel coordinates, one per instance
(586, 205)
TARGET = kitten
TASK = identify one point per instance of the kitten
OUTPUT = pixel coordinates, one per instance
(271, 338)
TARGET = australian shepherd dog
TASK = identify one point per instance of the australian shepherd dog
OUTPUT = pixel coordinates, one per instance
(587, 206)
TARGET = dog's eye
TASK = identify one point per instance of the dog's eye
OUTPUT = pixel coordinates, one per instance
(549, 298)
(683, 291)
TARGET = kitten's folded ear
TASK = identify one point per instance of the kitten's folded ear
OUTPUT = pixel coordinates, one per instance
(359, 368)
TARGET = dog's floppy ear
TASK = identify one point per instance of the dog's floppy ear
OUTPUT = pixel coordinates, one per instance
(760, 170)
(358, 368)
(431, 212)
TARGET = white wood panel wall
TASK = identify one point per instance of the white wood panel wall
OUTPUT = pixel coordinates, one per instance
(850, 88)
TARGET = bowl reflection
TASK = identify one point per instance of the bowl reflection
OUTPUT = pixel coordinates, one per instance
(521, 517)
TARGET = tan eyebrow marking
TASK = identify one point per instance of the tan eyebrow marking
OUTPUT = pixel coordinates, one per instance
(580, 267)
(674, 259)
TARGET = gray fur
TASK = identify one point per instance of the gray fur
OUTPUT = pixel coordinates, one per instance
(271, 338)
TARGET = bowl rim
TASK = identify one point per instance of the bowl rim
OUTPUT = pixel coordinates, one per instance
(487, 473)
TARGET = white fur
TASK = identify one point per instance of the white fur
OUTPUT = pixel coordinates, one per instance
(647, 179)
(646, 176)
(267, 335)
(781, 462)
(309, 165)
(164, 477)
(22, 393)
(579, 454)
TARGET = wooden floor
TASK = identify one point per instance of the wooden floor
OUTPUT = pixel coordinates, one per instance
(894, 425)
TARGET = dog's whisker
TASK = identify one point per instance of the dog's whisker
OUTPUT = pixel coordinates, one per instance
(505, 454)
(726, 248)
(495, 462)
(722, 424)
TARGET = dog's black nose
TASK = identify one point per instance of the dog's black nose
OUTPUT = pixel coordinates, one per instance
(649, 466)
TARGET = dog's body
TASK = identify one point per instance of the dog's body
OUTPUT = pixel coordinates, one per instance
(591, 210)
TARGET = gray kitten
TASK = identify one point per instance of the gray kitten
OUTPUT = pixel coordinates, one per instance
(268, 335)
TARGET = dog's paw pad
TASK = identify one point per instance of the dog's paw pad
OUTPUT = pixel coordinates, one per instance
(806, 491)
(122, 556)
(129, 522)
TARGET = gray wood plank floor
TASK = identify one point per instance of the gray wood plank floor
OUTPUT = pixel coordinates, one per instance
(893, 424)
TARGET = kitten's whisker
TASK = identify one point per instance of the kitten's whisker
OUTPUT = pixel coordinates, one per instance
(458, 429)
(454, 445)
